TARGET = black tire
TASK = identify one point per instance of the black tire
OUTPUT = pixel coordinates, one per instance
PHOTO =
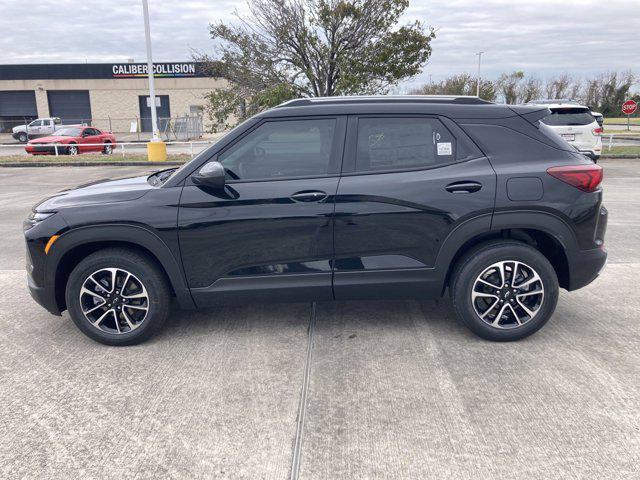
(477, 261)
(72, 149)
(23, 137)
(142, 268)
(108, 148)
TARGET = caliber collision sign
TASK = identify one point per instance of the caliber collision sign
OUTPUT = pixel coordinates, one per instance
(629, 107)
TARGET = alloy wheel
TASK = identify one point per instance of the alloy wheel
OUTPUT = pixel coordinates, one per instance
(507, 294)
(72, 150)
(114, 300)
(108, 148)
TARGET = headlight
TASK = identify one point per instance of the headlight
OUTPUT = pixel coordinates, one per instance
(35, 218)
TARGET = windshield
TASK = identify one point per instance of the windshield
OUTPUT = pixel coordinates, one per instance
(68, 132)
(568, 116)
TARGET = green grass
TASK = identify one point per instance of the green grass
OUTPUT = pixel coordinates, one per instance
(627, 133)
(630, 150)
(622, 120)
(62, 159)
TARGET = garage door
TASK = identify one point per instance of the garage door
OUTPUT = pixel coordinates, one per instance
(17, 104)
(72, 106)
(16, 107)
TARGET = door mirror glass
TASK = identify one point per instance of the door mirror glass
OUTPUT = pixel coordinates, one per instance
(210, 175)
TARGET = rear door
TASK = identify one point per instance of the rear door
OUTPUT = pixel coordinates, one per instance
(408, 183)
(269, 235)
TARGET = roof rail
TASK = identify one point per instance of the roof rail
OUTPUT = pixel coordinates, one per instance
(454, 99)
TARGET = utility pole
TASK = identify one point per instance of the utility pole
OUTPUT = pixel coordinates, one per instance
(479, 54)
(156, 148)
(152, 90)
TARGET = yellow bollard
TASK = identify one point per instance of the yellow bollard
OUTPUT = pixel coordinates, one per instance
(157, 151)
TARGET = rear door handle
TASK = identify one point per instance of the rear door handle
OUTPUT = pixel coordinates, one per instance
(309, 196)
(463, 187)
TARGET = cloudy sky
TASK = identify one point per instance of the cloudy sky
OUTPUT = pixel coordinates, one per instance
(545, 37)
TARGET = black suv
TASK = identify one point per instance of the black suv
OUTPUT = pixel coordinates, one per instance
(336, 198)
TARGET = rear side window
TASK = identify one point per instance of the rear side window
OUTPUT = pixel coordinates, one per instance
(568, 116)
(399, 143)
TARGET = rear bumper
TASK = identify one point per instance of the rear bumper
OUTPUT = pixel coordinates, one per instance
(586, 267)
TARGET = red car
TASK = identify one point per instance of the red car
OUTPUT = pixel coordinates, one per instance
(72, 141)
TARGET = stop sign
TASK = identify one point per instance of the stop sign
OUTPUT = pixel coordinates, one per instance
(629, 107)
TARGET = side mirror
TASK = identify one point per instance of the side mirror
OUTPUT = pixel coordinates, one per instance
(210, 175)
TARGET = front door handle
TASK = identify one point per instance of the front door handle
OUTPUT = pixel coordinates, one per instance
(309, 196)
(463, 187)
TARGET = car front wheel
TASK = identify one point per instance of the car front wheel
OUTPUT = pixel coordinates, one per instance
(72, 149)
(504, 291)
(118, 297)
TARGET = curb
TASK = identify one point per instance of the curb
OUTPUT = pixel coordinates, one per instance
(89, 164)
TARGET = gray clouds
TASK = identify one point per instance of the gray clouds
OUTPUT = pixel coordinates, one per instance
(541, 37)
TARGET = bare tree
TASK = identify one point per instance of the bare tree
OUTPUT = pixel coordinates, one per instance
(530, 89)
(462, 84)
(509, 86)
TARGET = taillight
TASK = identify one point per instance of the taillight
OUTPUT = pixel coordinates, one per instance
(597, 131)
(585, 177)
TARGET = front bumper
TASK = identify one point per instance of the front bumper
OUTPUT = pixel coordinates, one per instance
(45, 149)
(45, 297)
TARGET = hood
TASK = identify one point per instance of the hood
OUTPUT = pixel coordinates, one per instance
(50, 139)
(19, 128)
(95, 193)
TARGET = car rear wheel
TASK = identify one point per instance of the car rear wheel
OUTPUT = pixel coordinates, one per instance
(118, 297)
(72, 149)
(108, 148)
(504, 291)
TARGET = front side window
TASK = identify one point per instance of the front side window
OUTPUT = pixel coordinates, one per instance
(36, 123)
(403, 143)
(282, 149)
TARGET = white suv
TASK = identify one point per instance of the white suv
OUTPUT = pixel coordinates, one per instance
(576, 124)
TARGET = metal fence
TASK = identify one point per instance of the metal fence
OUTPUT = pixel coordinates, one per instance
(190, 148)
(185, 127)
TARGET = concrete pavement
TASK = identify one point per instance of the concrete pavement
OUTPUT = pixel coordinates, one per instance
(396, 390)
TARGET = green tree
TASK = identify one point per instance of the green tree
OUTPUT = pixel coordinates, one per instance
(291, 48)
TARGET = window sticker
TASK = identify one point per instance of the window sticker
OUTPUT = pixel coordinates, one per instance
(444, 148)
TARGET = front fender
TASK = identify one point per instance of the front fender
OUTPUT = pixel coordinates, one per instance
(132, 234)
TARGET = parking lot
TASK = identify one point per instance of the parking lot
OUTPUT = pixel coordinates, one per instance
(389, 390)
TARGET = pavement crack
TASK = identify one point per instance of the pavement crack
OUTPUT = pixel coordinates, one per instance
(304, 392)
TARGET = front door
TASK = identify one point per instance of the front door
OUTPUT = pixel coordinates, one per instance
(90, 140)
(271, 230)
(408, 183)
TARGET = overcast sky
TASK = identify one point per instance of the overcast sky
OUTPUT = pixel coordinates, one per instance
(544, 37)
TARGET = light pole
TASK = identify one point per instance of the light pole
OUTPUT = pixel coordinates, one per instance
(152, 90)
(479, 54)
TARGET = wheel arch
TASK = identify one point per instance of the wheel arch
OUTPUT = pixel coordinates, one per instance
(548, 234)
(77, 244)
